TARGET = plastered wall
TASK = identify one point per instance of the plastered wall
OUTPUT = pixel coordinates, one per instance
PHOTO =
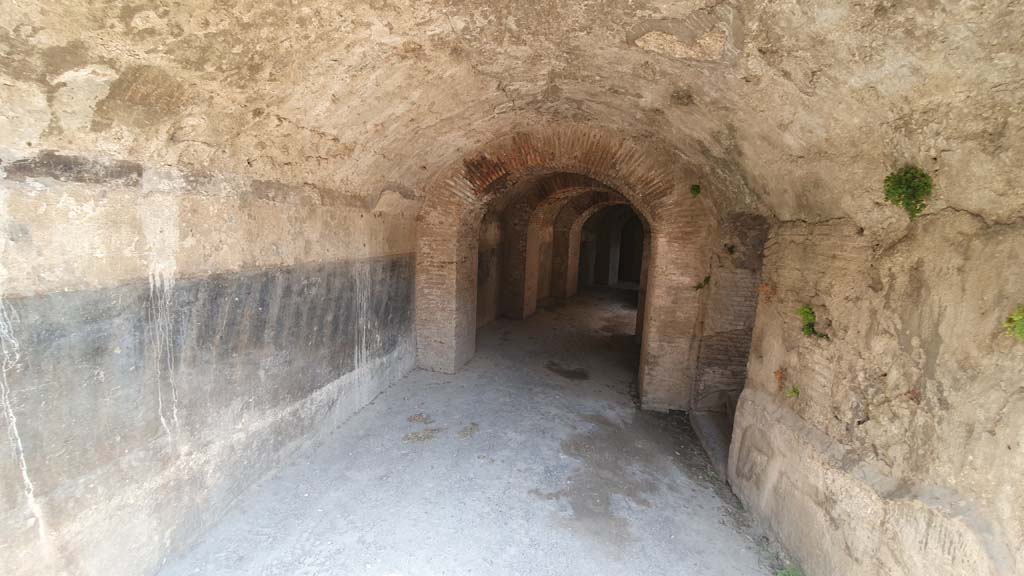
(167, 337)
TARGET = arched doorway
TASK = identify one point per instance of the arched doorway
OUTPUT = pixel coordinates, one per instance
(513, 176)
(530, 251)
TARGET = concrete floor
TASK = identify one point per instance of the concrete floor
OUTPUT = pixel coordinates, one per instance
(532, 460)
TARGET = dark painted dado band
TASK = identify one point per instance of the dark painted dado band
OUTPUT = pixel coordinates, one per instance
(101, 372)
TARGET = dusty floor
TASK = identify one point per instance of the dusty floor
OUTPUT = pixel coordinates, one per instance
(532, 460)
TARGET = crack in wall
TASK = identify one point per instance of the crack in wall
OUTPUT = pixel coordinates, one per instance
(10, 355)
(163, 352)
(10, 350)
(161, 230)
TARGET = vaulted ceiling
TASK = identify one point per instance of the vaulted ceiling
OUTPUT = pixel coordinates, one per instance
(793, 108)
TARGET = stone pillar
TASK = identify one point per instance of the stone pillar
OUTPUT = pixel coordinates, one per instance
(531, 273)
(565, 245)
(631, 251)
(614, 252)
(560, 260)
(446, 289)
(642, 295)
(516, 236)
(488, 272)
(545, 273)
(603, 251)
(678, 261)
(587, 262)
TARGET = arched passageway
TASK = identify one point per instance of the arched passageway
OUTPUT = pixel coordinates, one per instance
(229, 226)
(530, 252)
(535, 215)
(615, 237)
(536, 182)
(532, 459)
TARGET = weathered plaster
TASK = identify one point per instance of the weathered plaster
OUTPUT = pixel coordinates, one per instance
(175, 143)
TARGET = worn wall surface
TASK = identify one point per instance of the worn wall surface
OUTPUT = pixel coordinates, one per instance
(894, 445)
(250, 160)
(489, 274)
(167, 336)
(545, 258)
(795, 106)
(730, 290)
(631, 251)
(730, 294)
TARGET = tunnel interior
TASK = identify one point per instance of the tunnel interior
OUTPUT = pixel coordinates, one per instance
(395, 287)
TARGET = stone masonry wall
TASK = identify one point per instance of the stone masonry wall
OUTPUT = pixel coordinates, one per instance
(893, 445)
(732, 288)
(167, 337)
(489, 272)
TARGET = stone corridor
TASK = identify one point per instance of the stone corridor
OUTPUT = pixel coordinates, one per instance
(532, 460)
(276, 285)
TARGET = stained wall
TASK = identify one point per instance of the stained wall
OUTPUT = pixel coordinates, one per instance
(168, 337)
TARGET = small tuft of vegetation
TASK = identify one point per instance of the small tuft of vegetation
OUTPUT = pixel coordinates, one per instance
(703, 283)
(793, 391)
(790, 572)
(1015, 324)
(731, 249)
(909, 187)
(809, 319)
(695, 190)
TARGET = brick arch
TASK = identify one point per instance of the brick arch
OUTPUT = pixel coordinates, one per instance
(646, 177)
(533, 203)
(536, 190)
(566, 261)
(655, 183)
(568, 227)
(547, 259)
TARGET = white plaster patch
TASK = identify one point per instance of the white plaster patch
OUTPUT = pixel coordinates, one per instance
(9, 356)
(147, 20)
(23, 117)
(159, 217)
(391, 202)
(75, 102)
(707, 47)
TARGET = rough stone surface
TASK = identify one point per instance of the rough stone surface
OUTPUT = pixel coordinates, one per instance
(488, 272)
(799, 105)
(903, 446)
(153, 145)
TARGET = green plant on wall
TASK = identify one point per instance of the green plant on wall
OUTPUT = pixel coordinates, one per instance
(789, 572)
(809, 318)
(695, 190)
(1015, 324)
(909, 187)
(703, 283)
(793, 391)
